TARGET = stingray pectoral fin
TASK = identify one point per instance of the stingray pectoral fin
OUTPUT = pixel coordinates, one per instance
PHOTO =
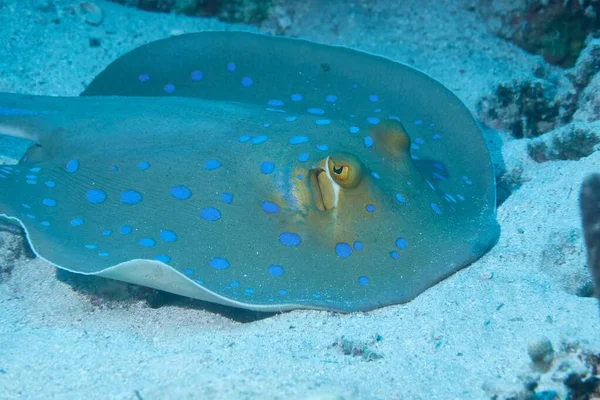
(158, 275)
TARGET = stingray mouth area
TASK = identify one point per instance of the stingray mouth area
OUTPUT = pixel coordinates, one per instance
(324, 190)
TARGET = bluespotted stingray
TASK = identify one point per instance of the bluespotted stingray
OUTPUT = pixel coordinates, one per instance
(259, 172)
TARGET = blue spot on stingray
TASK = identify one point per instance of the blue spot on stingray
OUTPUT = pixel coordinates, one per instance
(436, 137)
(45, 223)
(439, 166)
(246, 81)
(131, 197)
(414, 146)
(394, 254)
(373, 120)
(298, 139)
(144, 78)
(467, 180)
(163, 258)
(103, 254)
(297, 97)
(450, 197)
(375, 175)
(180, 192)
(291, 118)
(266, 124)
(168, 236)
(244, 139)
(77, 221)
(227, 198)
(91, 246)
(96, 196)
(27, 206)
(267, 167)
(30, 216)
(316, 111)
(400, 198)
(290, 239)
(363, 280)
(144, 165)
(436, 208)
(259, 139)
(343, 250)
(210, 214)
(283, 292)
(219, 263)
(303, 157)
(460, 197)
(211, 165)
(370, 208)
(231, 67)
(354, 129)
(49, 202)
(189, 271)
(125, 230)
(331, 98)
(169, 88)
(249, 291)
(31, 182)
(299, 176)
(322, 147)
(115, 168)
(418, 122)
(31, 177)
(275, 103)
(196, 76)
(269, 206)
(358, 245)
(439, 176)
(374, 98)
(323, 121)
(401, 243)
(377, 110)
(72, 166)
(419, 141)
(234, 284)
(368, 141)
(275, 270)
(147, 242)
(107, 232)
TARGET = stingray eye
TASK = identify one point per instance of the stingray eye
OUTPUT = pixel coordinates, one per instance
(341, 171)
(345, 169)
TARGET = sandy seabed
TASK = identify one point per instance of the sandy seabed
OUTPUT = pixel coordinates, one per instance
(465, 338)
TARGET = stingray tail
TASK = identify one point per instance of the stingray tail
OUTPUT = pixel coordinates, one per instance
(32, 118)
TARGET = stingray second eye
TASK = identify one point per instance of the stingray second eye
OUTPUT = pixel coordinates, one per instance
(341, 170)
(345, 170)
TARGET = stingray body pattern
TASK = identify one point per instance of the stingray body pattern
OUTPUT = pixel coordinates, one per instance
(253, 171)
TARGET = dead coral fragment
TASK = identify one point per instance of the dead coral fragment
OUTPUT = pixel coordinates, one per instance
(555, 29)
(589, 201)
(570, 143)
(525, 108)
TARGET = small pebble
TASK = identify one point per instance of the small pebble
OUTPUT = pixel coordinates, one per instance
(541, 352)
(93, 13)
(487, 275)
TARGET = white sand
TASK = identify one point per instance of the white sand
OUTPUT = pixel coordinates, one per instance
(461, 337)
